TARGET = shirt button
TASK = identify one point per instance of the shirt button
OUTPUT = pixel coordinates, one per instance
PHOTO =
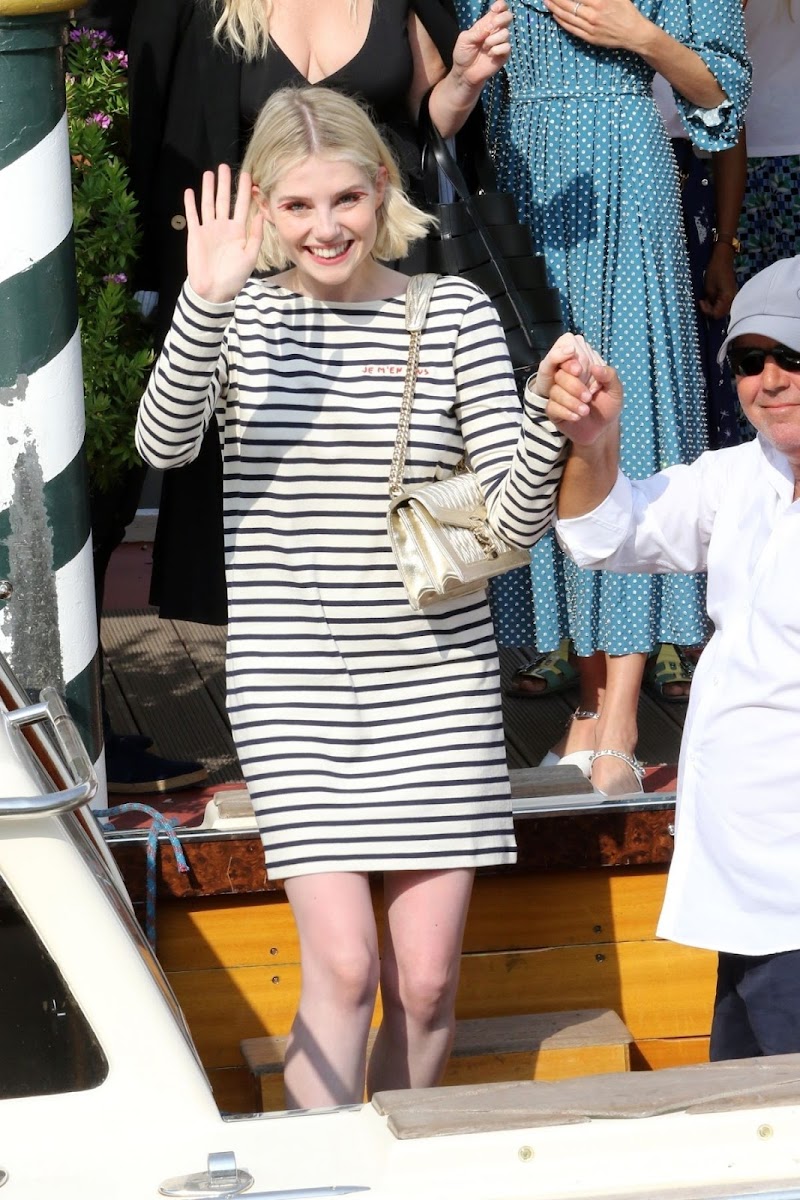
(178, 221)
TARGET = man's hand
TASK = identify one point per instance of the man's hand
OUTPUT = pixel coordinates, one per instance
(585, 412)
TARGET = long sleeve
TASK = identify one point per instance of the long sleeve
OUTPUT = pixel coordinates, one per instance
(658, 525)
(517, 455)
(716, 32)
(187, 381)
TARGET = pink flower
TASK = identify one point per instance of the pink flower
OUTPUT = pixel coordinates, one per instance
(98, 118)
(121, 277)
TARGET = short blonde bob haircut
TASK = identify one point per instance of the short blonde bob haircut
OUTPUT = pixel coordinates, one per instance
(297, 122)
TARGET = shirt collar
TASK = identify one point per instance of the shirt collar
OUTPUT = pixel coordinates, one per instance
(778, 471)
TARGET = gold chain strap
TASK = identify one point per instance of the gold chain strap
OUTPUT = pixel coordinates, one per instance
(418, 295)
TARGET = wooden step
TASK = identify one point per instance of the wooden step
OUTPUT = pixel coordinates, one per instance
(556, 1045)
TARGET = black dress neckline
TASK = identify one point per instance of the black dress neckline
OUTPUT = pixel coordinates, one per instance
(339, 70)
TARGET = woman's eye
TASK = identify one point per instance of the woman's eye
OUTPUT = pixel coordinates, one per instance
(350, 198)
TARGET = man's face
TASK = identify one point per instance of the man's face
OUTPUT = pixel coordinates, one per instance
(771, 399)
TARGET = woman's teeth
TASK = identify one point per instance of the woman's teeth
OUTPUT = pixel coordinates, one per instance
(329, 251)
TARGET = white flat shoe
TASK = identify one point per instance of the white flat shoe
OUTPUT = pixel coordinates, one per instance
(582, 759)
(634, 764)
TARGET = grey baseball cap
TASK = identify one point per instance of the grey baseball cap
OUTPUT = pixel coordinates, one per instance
(768, 304)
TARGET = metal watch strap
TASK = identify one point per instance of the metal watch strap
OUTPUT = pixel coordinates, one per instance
(418, 298)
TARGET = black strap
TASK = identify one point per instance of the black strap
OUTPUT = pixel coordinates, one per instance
(449, 167)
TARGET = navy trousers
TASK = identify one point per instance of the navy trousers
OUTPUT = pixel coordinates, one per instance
(757, 1006)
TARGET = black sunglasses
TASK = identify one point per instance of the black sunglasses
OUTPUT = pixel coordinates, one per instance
(749, 360)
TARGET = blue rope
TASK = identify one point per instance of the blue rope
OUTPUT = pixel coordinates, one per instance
(159, 825)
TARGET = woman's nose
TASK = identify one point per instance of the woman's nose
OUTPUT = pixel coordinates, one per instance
(326, 227)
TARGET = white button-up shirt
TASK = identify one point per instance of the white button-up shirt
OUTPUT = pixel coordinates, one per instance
(734, 883)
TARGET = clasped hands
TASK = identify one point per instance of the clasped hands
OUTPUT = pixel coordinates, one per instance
(584, 394)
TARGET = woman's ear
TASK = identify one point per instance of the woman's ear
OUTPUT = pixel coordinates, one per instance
(261, 203)
(381, 180)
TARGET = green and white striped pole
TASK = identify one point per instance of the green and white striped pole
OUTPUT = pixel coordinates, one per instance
(48, 624)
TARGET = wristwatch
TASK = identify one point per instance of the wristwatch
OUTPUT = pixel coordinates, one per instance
(730, 239)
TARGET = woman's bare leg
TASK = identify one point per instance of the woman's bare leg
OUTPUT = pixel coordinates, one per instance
(581, 734)
(327, 1048)
(425, 916)
(617, 728)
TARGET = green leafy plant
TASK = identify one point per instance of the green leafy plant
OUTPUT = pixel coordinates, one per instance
(117, 353)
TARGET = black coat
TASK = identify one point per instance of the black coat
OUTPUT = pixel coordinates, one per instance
(184, 97)
(184, 106)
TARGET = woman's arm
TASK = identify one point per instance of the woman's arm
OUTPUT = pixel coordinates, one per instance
(517, 455)
(191, 372)
(618, 24)
(478, 54)
(730, 179)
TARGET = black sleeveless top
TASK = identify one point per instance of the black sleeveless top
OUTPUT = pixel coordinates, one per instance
(379, 75)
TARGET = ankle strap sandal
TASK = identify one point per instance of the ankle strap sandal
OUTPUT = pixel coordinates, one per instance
(629, 760)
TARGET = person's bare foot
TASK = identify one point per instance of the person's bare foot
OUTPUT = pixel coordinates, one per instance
(548, 674)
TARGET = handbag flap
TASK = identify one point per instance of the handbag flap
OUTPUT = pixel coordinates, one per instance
(457, 500)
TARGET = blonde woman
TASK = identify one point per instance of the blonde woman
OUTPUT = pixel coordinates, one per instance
(200, 70)
(370, 735)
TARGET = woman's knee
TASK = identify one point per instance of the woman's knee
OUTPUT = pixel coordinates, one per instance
(425, 993)
(348, 973)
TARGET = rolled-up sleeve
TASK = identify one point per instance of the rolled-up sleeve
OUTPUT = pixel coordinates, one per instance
(656, 526)
(715, 30)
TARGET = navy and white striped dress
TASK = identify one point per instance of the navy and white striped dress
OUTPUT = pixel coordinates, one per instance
(370, 735)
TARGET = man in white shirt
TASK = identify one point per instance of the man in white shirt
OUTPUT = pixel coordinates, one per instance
(734, 883)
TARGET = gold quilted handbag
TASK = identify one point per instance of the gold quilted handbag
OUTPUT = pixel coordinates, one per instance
(442, 542)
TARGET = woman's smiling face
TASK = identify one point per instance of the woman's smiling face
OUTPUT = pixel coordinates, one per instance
(325, 215)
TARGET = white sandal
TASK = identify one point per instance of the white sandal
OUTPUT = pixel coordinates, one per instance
(629, 760)
(582, 759)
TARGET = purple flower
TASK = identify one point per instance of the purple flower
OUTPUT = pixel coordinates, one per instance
(95, 37)
(117, 56)
(121, 277)
(98, 118)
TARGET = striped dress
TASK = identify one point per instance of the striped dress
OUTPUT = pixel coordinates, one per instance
(370, 735)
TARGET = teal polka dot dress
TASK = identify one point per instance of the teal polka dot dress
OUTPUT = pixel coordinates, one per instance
(579, 141)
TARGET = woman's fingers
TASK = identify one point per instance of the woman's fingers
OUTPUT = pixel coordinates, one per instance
(244, 190)
(223, 204)
(190, 208)
(207, 209)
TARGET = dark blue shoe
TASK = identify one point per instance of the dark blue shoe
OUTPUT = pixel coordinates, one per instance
(131, 770)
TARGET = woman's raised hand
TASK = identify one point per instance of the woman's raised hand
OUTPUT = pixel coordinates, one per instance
(482, 50)
(221, 254)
